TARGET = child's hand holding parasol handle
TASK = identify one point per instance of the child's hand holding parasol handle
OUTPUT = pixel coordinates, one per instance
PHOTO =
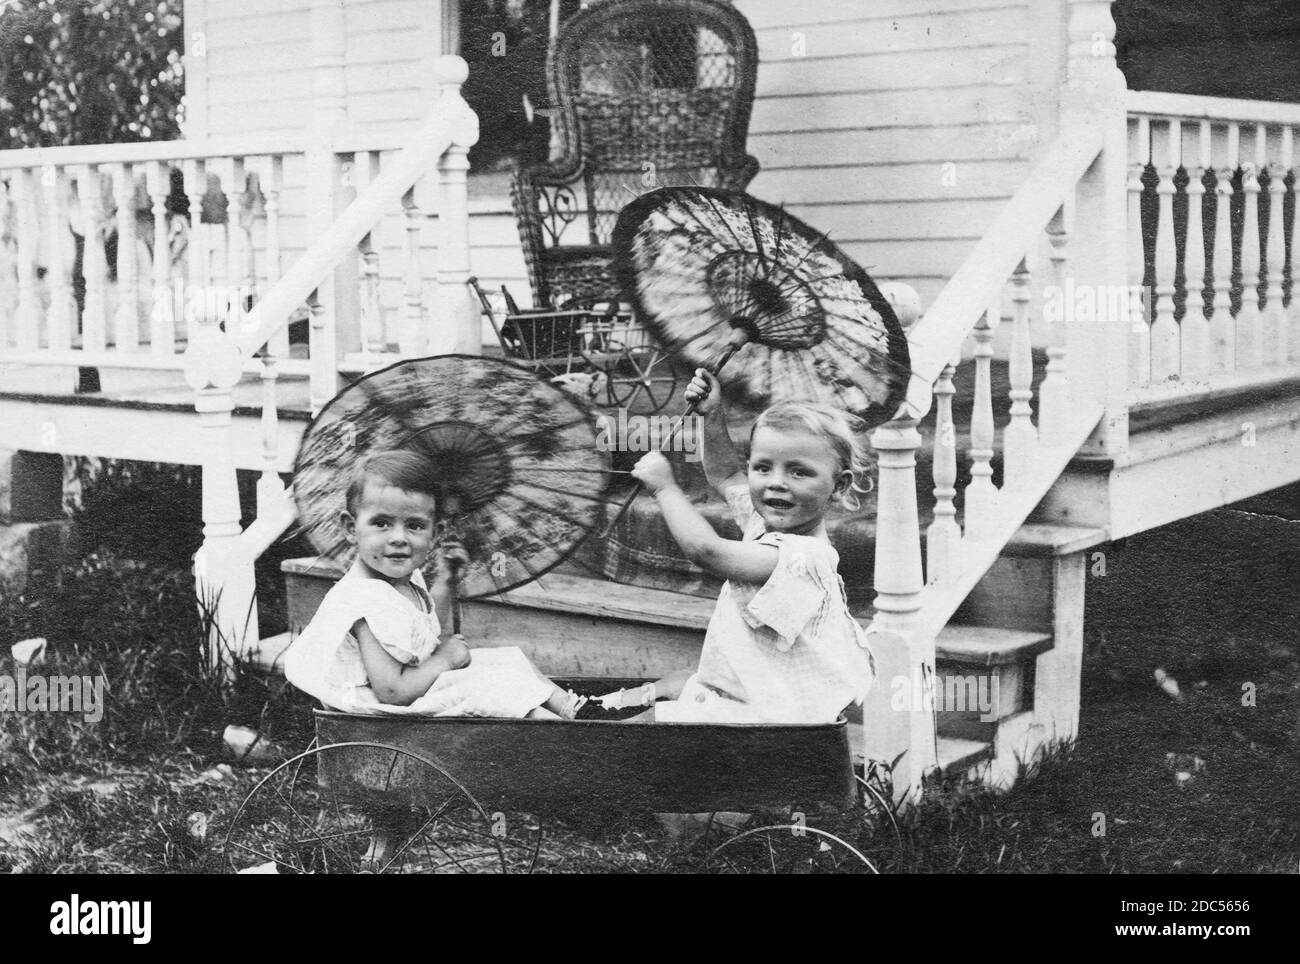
(742, 333)
(452, 554)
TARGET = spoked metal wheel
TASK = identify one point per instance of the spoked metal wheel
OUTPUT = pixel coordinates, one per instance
(784, 849)
(369, 808)
(640, 373)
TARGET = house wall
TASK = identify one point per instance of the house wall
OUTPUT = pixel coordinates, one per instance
(899, 129)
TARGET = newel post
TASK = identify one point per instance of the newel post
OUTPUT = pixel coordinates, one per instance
(899, 715)
(457, 325)
(223, 572)
(1094, 98)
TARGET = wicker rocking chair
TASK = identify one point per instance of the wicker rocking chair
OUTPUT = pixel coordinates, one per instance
(649, 93)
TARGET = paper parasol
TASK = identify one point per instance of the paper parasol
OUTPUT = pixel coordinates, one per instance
(716, 273)
(520, 477)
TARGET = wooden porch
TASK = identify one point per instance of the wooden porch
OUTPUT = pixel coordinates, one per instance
(1042, 425)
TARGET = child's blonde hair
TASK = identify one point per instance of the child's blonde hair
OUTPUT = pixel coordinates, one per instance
(841, 431)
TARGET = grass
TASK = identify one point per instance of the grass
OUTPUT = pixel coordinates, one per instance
(1207, 601)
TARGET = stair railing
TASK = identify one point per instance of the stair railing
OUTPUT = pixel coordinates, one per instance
(1071, 206)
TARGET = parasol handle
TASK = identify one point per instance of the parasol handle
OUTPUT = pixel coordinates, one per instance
(740, 337)
(452, 586)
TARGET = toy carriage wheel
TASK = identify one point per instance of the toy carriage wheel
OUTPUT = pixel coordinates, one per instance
(636, 370)
(368, 808)
(786, 849)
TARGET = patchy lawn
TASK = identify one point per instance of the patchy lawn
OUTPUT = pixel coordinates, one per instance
(1198, 774)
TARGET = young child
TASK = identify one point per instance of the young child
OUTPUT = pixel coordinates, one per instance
(781, 646)
(376, 644)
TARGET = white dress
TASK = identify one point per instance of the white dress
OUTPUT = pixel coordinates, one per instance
(786, 651)
(325, 660)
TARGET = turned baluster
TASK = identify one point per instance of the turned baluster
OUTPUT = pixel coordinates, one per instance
(272, 184)
(1223, 327)
(8, 260)
(324, 373)
(981, 494)
(62, 315)
(247, 247)
(943, 535)
(1194, 331)
(1292, 304)
(195, 301)
(1020, 437)
(1276, 349)
(1164, 329)
(94, 265)
(126, 317)
(162, 314)
(413, 337)
(1140, 333)
(27, 314)
(1250, 342)
(231, 260)
(1054, 392)
(373, 337)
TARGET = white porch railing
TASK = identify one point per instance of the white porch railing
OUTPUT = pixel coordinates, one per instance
(1211, 202)
(171, 269)
(217, 306)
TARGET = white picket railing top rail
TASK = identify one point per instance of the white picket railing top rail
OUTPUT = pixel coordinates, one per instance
(937, 337)
(39, 157)
(1151, 103)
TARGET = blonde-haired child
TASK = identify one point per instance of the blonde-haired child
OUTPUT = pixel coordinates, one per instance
(781, 646)
(377, 643)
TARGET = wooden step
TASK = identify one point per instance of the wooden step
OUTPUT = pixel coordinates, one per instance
(594, 599)
(956, 755)
(987, 646)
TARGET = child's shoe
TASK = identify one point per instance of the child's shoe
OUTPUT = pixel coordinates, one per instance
(572, 704)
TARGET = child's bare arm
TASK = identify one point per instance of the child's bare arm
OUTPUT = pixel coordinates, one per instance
(725, 558)
(723, 465)
(401, 685)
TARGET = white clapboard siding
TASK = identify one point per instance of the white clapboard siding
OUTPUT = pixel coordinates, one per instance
(764, 14)
(870, 33)
(916, 108)
(1004, 63)
(886, 182)
(942, 144)
(898, 126)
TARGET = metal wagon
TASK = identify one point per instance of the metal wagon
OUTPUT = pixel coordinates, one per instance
(446, 794)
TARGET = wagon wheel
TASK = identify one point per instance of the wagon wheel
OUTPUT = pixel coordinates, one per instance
(385, 810)
(634, 370)
(789, 848)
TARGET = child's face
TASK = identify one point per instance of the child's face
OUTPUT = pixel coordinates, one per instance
(792, 477)
(392, 529)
